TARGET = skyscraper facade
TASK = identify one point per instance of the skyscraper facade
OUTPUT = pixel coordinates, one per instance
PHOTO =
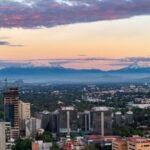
(101, 120)
(11, 110)
(24, 113)
(31, 126)
(67, 120)
(84, 121)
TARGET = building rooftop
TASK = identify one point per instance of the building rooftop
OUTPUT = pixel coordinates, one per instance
(86, 112)
(130, 113)
(68, 108)
(45, 112)
(138, 139)
(101, 108)
(118, 113)
(11, 92)
(101, 138)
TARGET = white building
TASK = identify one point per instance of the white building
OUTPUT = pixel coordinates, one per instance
(31, 126)
(24, 113)
(2, 136)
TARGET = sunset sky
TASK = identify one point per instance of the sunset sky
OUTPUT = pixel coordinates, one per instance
(100, 43)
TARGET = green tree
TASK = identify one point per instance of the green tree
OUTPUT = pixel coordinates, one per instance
(1, 114)
(47, 137)
(23, 145)
(90, 147)
(55, 147)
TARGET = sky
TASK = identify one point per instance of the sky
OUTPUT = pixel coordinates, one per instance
(99, 34)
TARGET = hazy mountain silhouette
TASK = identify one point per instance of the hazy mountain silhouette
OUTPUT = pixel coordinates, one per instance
(60, 74)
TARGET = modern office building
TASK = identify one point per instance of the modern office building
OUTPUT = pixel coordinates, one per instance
(31, 126)
(45, 117)
(54, 121)
(24, 113)
(2, 136)
(101, 120)
(25, 110)
(84, 121)
(67, 120)
(8, 131)
(118, 118)
(129, 117)
(11, 110)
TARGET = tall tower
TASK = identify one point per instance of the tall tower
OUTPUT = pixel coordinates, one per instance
(101, 120)
(67, 120)
(11, 110)
(24, 113)
(84, 121)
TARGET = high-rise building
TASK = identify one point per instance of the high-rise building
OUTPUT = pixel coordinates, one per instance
(54, 122)
(67, 120)
(101, 120)
(11, 110)
(24, 113)
(118, 118)
(31, 126)
(84, 121)
(2, 136)
(129, 117)
(8, 131)
(45, 117)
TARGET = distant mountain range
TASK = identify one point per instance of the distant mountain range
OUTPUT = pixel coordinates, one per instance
(68, 75)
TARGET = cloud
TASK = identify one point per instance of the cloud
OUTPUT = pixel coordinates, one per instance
(7, 63)
(80, 63)
(6, 43)
(49, 13)
(110, 62)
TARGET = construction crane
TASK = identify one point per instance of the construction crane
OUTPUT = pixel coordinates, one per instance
(5, 83)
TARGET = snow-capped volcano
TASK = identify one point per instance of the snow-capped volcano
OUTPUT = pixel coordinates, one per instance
(135, 66)
(138, 65)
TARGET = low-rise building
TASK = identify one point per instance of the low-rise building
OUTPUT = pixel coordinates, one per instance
(119, 144)
(138, 143)
(102, 142)
(132, 143)
(40, 145)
